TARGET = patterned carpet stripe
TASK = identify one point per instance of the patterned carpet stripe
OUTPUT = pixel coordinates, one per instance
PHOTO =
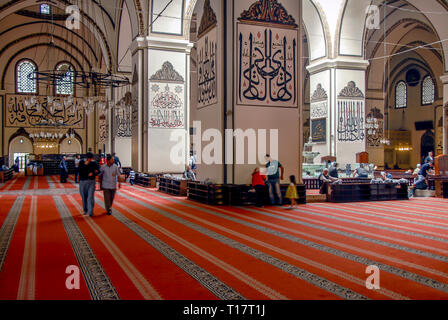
(27, 183)
(416, 209)
(398, 228)
(282, 265)
(98, 283)
(402, 273)
(6, 186)
(197, 247)
(321, 268)
(11, 268)
(54, 255)
(358, 234)
(8, 227)
(211, 283)
(15, 184)
(356, 249)
(27, 284)
(356, 211)
(143, 286)
(408, 215)
(303, 221)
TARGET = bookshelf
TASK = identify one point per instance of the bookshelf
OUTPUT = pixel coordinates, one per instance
(211, 194)
(367, 192)
(173, 186)
(6, 175)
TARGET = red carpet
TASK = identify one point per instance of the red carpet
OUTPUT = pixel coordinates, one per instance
(155, 246)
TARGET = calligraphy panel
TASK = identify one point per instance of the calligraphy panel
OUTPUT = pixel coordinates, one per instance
(374, 128)
(167, 105)
(319, 110)
(102, 127)
(18, 115)
(207, 69)
(267, 71)
(123, 119)
(351, 120)
(319, 130)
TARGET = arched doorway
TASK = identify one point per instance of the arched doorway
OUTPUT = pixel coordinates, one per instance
(19, 148)
(70, 146)
(427, 144)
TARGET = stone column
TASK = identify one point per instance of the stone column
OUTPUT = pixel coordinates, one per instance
(138, 63)
(444, 79)
(338, 110)
(167, 105)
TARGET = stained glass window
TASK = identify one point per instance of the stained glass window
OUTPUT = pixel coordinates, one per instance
(25, 70)
(64, 83)
(44, 8)
(401, 98)
(428, 91)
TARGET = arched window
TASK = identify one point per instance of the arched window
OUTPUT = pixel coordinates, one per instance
(401, 97)
(25, 70)
(428, 91)
(64, 82)
(45, 8)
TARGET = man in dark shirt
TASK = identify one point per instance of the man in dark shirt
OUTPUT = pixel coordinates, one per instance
(420, 182)
(88, 170)
(325, 179)
(333, 171)
(361, 172)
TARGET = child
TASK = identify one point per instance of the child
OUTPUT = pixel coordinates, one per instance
(291, 193)
(132, 177)
(259, 186)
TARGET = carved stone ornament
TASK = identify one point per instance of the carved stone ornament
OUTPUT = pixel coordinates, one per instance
(319, 95)
(208, 20)
(167, 73)
(351, 91)
(268, 11)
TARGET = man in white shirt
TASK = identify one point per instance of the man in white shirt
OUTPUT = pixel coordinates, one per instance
(109, 176)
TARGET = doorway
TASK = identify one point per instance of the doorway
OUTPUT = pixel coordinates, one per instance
(20, 159)
(427, 144)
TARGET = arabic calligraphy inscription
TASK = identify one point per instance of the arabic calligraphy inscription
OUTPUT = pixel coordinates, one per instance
(267, 66)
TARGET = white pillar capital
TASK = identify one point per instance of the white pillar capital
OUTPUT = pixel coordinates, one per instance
(352, 63)
(444, 78)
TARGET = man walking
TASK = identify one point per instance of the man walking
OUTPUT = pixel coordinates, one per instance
(77, 161)
(116, 159)
(275, 173)
(109, 174)
(88, 170)
(63, 170)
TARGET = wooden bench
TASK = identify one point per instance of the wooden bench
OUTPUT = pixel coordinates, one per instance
(356, 192)
(6, 175)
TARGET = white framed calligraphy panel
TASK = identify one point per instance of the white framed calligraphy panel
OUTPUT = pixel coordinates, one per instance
(267, 66)
(166, 105)
(207, 69)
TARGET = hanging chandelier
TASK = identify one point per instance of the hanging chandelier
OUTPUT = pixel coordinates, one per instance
(81, 79)
(52, 109)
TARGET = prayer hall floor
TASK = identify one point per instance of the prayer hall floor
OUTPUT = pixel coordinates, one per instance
(156, 246)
